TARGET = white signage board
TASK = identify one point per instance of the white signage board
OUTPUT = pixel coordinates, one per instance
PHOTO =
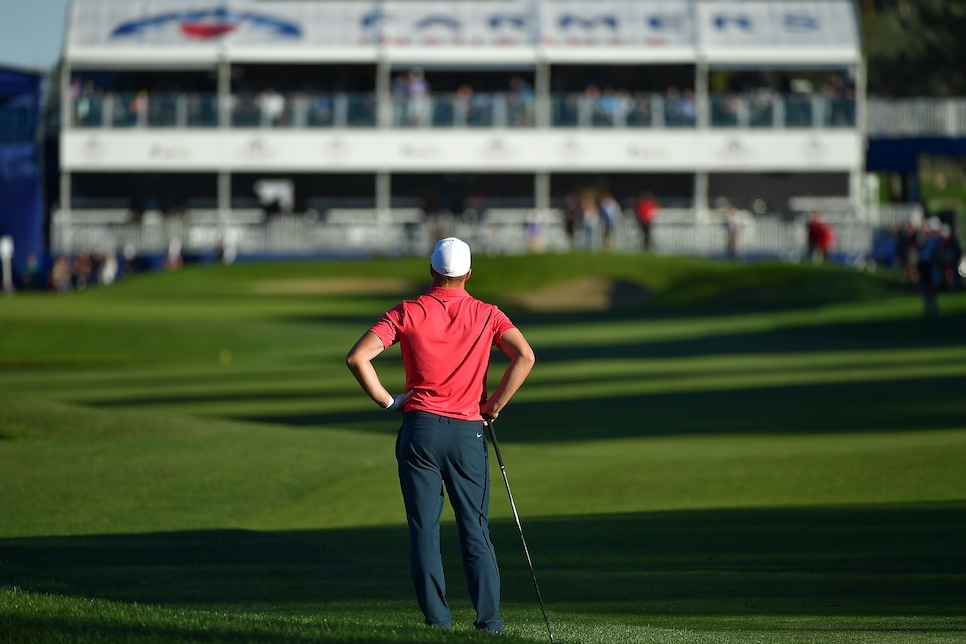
(460, 150)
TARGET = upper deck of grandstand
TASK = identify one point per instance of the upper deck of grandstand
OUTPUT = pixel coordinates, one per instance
(505, 63)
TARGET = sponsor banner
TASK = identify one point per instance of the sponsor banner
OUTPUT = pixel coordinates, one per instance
(197, 24)
(472, 151)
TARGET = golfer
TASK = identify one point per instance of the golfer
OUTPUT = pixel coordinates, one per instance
(445, 337)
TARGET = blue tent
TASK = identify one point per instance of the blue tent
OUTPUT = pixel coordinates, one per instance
(21, 186)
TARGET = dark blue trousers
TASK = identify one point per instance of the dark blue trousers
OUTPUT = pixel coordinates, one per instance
(433, 453)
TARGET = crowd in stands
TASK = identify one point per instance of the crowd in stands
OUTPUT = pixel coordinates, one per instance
(468, 103)
(596, 100)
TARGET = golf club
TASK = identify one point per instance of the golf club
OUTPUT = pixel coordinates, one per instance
(513, 506)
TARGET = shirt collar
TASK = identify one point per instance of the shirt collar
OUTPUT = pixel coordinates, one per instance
(441, 291)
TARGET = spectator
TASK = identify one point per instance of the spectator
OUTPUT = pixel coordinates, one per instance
(31, 274)
(646, 208)
(520, 102)
(572, 215)
(272, 106)
(419, 106)
(610, 216)
(463, 105)
(82, 271)
(590, 222)
(173, 260)
(930, 266)
(821, 237)
(109, 269)
(60, 275)
(687, 110)
(952, 255)
(907, 250)
(139, 107)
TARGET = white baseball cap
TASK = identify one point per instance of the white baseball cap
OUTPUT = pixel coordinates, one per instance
(451, 257)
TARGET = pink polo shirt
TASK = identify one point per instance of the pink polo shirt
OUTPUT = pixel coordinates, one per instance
(445, 337)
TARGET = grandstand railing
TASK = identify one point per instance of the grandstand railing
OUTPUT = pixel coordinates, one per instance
(884, 117)
(499, 231)
(944, 117)
(460, 109)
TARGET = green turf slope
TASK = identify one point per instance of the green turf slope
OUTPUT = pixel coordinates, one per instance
(766, 453)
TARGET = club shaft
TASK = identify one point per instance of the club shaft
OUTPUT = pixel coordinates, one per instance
(516, 516)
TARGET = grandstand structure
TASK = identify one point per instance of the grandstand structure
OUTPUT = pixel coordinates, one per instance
(301, 127)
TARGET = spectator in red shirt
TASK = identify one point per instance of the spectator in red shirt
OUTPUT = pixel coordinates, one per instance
(646, 208)
(445, 337)
(821, 237)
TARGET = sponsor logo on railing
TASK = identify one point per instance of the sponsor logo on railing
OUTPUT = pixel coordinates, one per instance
(169, 152)
(498, 148)
(640, 152)
(411, 150)
(256, 149)
(92, 149)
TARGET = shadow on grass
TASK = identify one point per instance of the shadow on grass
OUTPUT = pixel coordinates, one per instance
(902, 560)
(887, 405)
(857, 405)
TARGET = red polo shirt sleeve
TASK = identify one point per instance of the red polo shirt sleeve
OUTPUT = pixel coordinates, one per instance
(445, 338)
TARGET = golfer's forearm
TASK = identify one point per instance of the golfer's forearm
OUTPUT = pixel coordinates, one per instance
(359, 361)
(511, 382)
(367, 377)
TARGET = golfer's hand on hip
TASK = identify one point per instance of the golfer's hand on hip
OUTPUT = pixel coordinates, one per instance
(398, 401)
(489, 411)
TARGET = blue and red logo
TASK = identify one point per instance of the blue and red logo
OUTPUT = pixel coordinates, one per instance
(208, 24)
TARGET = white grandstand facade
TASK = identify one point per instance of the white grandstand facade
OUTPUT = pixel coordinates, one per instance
(312, 126)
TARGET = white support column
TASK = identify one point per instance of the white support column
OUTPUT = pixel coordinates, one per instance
(224, 194)
(702, 107)
(384, 196)
(541, 190)
(383, 92)
(67, 107)
(224, 91)
(701, 195)
(542, 94)
(65, 188)
(67, 110)
(856, 182)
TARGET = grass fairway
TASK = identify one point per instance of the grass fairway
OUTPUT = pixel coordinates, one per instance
(703, 453)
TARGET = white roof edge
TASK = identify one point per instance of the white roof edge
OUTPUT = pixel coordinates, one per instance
(140, 57)
(460, 55)
(301, 54)
(627, 55)
(768, 56)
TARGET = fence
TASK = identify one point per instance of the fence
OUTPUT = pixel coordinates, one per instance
(916, 117)
(407, 232)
